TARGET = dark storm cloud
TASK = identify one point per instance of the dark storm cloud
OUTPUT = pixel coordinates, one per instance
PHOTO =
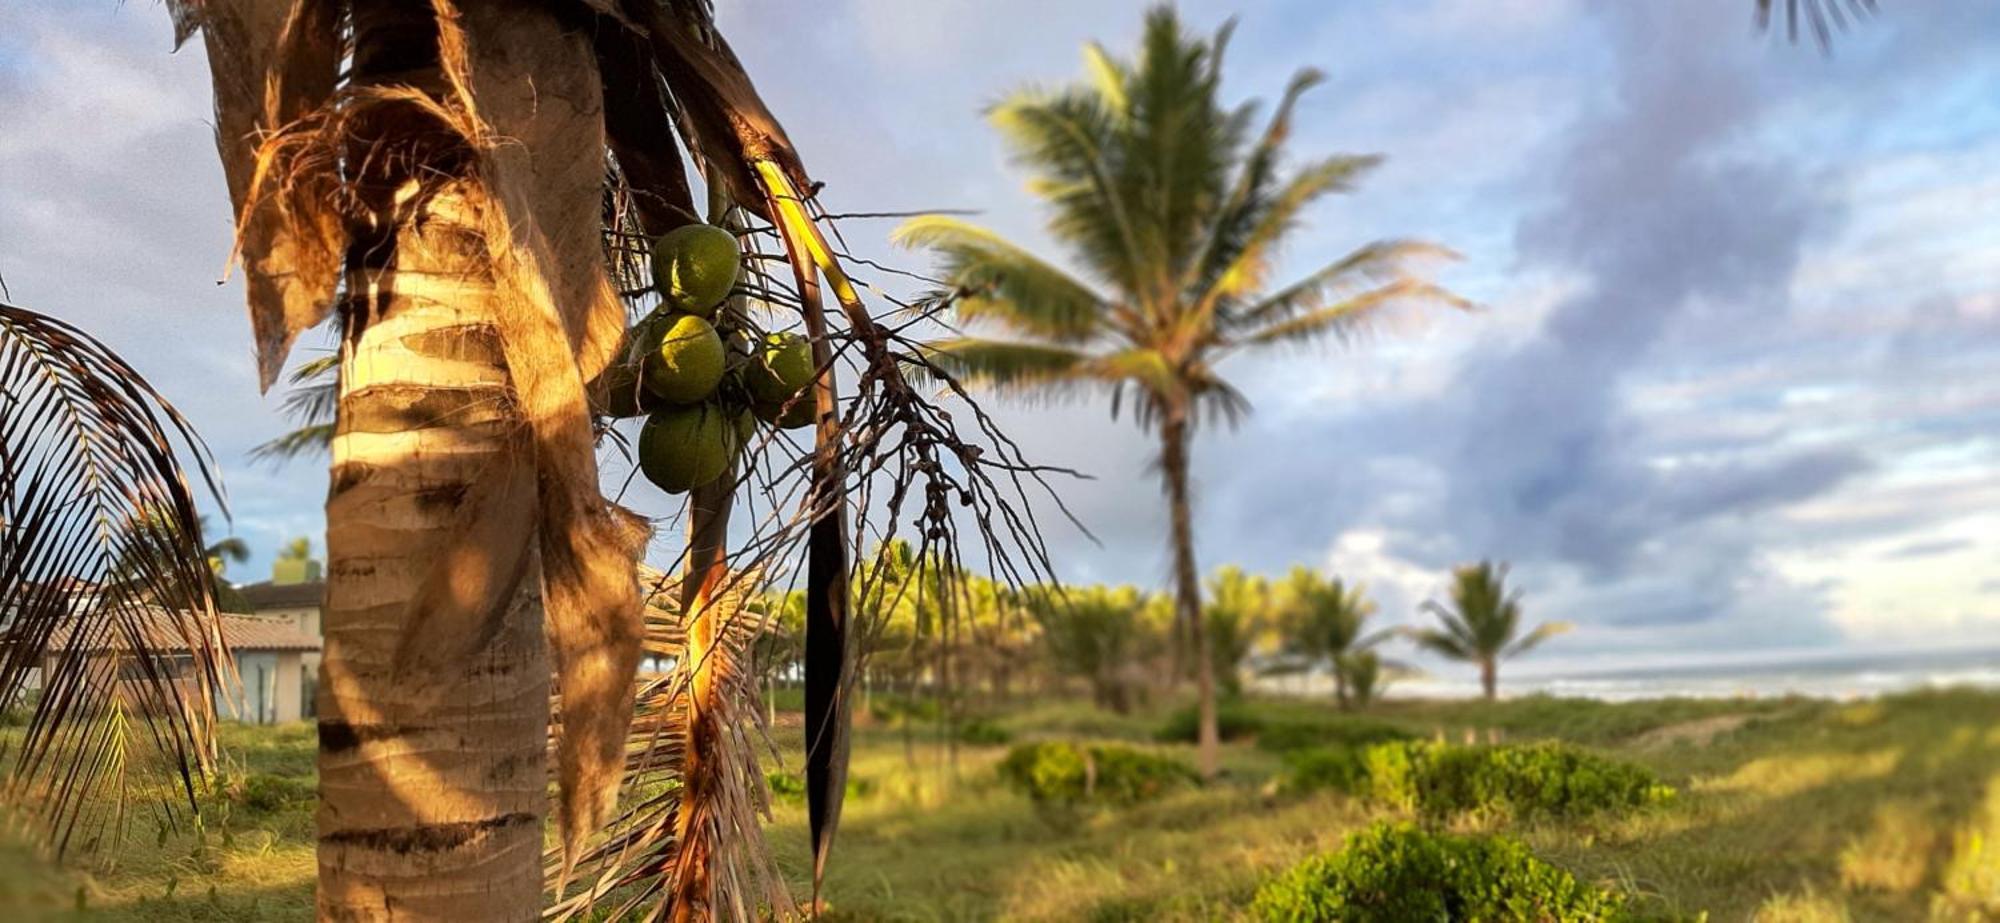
(1654, 217)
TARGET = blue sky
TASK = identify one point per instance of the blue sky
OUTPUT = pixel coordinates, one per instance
(1732, 385)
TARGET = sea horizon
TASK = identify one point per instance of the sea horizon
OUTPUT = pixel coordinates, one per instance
(1823, 673)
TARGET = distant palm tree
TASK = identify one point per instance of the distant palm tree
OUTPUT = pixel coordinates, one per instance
(1238, 611)
(1483, 623)
(1324, 620)
(1362, 675)
(1174, 212)
(298, 549)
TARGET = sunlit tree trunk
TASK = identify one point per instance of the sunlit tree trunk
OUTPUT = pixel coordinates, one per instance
(433, 784)
(432, 788)
(1187, 586)
(1489, 677)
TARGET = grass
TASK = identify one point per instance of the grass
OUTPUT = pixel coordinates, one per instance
(1790, 810)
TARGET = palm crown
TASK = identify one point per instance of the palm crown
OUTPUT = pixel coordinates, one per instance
(1174, 213)
(1483, 622)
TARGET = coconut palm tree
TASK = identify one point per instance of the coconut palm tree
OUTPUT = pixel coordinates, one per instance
(1173, 212)
(1238, 612)
(1361, 673)
(433, 176)
(1325, 620)
(1482, 624)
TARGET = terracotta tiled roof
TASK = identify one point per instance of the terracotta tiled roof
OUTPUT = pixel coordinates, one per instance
(239, 633)
(268, 595)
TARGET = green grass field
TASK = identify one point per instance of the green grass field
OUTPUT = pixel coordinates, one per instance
(1789, 811)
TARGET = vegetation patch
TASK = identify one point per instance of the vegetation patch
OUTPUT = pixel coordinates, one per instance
(1545, 779)
(1064, 774)
(983, 732)
(1393, 873)
(1234, 720)
(1285, 736)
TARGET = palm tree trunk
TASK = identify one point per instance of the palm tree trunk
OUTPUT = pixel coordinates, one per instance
(1489, 677)
(432, 787)
(433, 779)
(1187, 587)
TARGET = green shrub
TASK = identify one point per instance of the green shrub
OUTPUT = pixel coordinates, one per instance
(265, 793)
(1055, 773)
(1396, 873)
(981, 732)
(1546, 779)
(785, 785)
(1286, 736)
(1233, 721)
(790, 786)
(1437, 779)
(1337, 768)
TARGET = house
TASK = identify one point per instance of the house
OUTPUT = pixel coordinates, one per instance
(269, 685)
(293, 595)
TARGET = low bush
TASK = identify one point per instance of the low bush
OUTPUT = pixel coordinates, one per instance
(1394, 873)
(1286, 736)
(1532, 780)
(786, 786)
(265, 793)
(981, 732)
(790, 786)
(1337, 768)
(1233, 721)
(1056, 773)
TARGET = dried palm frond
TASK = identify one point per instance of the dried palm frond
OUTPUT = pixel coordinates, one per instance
(106, 596)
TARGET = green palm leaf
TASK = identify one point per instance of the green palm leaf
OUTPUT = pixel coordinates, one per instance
(1004, 283)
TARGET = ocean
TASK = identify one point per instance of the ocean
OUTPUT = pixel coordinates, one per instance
(1842, 674)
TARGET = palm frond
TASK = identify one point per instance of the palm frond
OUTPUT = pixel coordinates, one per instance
(311, 403)
(1026, 369)
(1003, 282)
(105, 590)
(1248, 267)
(1372, 266)
(1823, 17)
(1349, 316)
(1249, 198)
(1443, 643)
(1065, 137)
(1177, 150)
(1542, 632)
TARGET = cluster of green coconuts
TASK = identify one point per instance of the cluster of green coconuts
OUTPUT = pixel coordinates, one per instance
(701, 381)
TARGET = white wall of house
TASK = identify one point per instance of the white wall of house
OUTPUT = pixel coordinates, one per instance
(269, 688)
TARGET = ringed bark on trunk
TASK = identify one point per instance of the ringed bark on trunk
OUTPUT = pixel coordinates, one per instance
(432, 787)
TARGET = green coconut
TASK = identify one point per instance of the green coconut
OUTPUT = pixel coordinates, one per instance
(798, 413)
(682, 448)
(746, 427)
(683, 359)
(695, 266)
(782, 366)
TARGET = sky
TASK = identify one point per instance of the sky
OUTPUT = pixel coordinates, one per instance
(1731, 385)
